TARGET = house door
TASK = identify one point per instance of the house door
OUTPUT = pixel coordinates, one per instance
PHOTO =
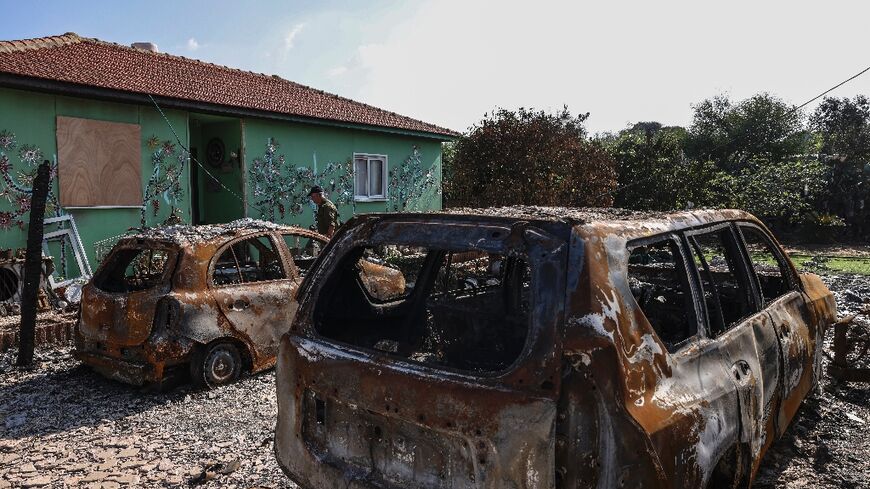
(217, 180)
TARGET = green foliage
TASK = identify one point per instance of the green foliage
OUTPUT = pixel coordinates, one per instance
(750, 155)
(838, 264)
(843, 127)
(653, 170)
(757, 154)
(843, 131)
(528, 157)
(786, 190)
(762, 127)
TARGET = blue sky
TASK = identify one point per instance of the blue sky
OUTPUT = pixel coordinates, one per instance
(450, 61)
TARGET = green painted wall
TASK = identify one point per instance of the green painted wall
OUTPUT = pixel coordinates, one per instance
(301, 145)
(32, 118)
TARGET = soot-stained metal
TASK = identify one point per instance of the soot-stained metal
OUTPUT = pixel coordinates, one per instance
(594, 396)
(161, 314)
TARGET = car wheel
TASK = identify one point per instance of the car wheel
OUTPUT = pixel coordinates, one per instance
(219, 364)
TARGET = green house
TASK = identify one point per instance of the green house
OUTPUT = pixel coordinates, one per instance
(137, 137)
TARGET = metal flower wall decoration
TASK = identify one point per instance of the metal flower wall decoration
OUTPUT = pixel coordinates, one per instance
(410, 182)
(280, 190)
(165, 181)
(17, 186)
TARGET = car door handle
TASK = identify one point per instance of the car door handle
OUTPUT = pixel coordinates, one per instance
(239, 305)
(741, 370)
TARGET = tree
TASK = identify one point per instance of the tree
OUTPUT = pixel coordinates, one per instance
(843, 126)
(528, 157)
(843, 130)
(653, 170)
(760, 128)
(783, 190)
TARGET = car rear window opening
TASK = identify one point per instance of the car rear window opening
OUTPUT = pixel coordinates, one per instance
(132, 269)
(466, 310)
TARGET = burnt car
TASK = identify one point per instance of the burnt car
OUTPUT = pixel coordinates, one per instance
(211, 299)
(544, 347)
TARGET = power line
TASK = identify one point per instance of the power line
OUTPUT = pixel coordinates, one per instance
(178, 139)
(838, 85)
(630, 185)
(795, 109)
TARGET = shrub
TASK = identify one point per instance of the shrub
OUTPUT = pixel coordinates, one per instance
(531, 158)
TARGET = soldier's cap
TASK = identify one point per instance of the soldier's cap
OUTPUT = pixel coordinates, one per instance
(315, 190)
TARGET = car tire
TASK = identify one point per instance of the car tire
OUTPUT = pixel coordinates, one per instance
(217, 364)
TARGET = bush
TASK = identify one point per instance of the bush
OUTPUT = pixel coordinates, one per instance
(531, 158)
(654, 172)
(787, 190)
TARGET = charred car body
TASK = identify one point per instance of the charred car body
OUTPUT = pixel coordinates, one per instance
(213, 298)
(541, 348)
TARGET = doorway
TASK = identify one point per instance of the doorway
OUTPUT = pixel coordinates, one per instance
(217, 183)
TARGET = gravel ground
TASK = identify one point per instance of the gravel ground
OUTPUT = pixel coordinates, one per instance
(61, 425)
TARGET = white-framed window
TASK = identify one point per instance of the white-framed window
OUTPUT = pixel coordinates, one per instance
(369, 177)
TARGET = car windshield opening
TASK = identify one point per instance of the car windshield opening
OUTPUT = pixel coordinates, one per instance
(467, 310)
(132, 269)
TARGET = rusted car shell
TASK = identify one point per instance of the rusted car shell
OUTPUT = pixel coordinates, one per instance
(596, 399)
(135, 337)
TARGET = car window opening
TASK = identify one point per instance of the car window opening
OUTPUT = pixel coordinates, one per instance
(303, 251)
(723, 285)
(466, 310)
(770, 270)
(132, 269)
(250, 260)
(659, 283)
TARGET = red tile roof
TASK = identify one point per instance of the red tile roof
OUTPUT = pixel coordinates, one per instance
(73, 59)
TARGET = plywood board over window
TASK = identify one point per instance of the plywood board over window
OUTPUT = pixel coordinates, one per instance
(99, 163)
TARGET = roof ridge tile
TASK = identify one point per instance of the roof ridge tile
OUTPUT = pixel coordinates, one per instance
(39, 42)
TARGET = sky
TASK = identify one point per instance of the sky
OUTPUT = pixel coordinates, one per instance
(449, 62)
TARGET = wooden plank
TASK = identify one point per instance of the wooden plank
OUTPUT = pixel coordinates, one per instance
(99, 163)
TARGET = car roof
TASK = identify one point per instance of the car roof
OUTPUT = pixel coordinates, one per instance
(626, 223)
(187, 234)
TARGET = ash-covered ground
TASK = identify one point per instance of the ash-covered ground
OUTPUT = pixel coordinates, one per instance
(62, 425)
(827, 445)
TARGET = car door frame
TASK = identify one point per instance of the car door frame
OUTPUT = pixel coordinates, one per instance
(797, 333)
(287, 256)
(260, 327)
(746, 349)
(707, 393)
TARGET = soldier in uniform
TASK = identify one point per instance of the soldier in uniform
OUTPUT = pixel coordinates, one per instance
(327, 213)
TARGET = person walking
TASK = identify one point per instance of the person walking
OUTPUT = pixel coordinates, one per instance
(327, 213)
